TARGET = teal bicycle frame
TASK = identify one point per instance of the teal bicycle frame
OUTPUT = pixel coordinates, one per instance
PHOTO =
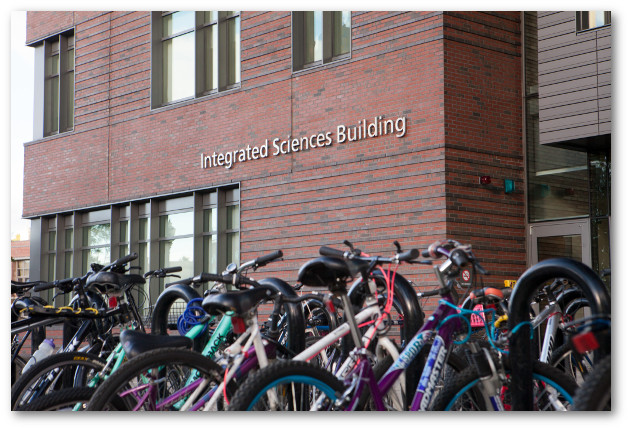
(118, 355)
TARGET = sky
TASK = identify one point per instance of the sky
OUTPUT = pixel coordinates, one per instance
(21, 122)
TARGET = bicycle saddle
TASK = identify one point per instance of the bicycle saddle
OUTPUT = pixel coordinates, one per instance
(328, 272)
(239, 302)
(136, 342)
(108, 282)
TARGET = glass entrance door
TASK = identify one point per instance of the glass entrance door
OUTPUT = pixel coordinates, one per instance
(568, 238)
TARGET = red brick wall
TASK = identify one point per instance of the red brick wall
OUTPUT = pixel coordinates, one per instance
(370, 192)
(483, 123)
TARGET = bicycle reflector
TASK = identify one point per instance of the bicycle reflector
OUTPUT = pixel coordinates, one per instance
(238, 325)
(585, 342)
(113, 302)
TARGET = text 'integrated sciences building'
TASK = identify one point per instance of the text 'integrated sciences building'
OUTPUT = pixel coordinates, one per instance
(202, 138)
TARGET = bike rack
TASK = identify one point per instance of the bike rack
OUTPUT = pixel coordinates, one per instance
(520, 345)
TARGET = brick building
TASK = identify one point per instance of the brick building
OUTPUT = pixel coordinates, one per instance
(20, 259)
(200, 138)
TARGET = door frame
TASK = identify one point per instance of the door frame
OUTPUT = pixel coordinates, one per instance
(575, 226)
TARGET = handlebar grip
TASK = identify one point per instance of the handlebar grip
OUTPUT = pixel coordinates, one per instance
(331, 252)
(426, 254)
(211, 277)
(44, 286)
(261, 261)
(172, 269)
(126, 259)
(59, 284)
(412, 254)
(459, 258)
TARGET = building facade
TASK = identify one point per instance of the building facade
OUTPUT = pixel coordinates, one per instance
(201, 138)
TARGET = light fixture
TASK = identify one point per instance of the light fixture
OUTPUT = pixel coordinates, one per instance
(485, 180)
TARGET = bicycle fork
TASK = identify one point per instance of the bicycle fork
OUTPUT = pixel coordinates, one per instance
(491, 382)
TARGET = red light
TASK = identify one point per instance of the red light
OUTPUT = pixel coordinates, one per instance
(238, 325)
(585, 342)
(485, 180)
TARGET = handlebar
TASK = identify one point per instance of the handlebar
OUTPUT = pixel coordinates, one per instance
(161, 273)
(406, 256)
(121, 261)
(64, 285)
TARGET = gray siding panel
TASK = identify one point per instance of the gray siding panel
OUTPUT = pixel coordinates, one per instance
(574, 121)
(574, 79)
(565, 63)
(562, 88)
(574, 73)
(564, 111)
(569, 134)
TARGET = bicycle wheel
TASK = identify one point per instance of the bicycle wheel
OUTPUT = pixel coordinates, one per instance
(455, 363)
(161, 379)
(63, 370)
(595, 393)
(69, 399)
(288, 386)
(576, 365)
(553, 390)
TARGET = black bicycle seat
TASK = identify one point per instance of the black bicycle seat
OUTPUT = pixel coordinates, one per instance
(239, 302)
(136, 342)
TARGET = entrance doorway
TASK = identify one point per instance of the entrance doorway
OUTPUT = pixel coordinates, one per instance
(567, 238)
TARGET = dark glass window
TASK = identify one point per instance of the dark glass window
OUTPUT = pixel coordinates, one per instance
(320, 37)
(194, 54)
(59, 84)
(587, 20)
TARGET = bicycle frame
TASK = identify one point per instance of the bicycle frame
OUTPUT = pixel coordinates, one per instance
(440, 327)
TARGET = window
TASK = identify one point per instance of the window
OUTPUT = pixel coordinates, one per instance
(59, 84)
(23, 270)
(591, 19)
(199, 231)
(320, 37)
(194, 54)
(176, 234)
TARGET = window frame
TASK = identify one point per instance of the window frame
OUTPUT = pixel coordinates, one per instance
(329, 35)
(222, 57)
(66, 83)
(582, 19)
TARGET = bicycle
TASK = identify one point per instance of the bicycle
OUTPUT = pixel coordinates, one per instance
(324, 393)
(249, 351)
(69, 366)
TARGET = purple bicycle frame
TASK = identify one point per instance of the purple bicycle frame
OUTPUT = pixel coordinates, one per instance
(435, 361)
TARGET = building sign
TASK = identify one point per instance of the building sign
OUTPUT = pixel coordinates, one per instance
(365, 129)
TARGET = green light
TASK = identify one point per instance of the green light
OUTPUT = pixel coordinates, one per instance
(509, 186)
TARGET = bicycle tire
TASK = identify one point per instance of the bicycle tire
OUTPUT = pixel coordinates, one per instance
(455, 363)
(596, 392)
(75, 367)
(172, 363)
(67, 400)
(462, 393)
(293, 375)
(574, 364)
